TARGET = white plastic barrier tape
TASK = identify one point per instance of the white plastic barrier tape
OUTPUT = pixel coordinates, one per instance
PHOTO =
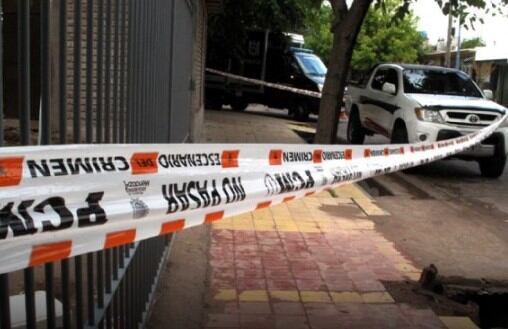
(62, 201)
(266, 84)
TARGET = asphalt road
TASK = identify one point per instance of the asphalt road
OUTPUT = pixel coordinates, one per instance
(457, 178)
(462, 179)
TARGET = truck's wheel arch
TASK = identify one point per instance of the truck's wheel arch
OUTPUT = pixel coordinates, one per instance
(354, 108)
(398, 122)
(403, 135)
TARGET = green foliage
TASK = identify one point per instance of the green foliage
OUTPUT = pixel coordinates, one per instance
(318, 35)
(383, 39)
(467, 10)
(229, 28)
(472, 43)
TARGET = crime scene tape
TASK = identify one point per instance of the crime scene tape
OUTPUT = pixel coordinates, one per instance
(61, 201)
(266, 84)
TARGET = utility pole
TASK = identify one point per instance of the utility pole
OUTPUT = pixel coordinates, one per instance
(457, 58)
(448, 58)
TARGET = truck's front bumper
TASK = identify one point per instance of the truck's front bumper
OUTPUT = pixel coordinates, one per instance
(495, 145)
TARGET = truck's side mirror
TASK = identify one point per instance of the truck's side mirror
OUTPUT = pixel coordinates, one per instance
(389, 88)
(488, 94)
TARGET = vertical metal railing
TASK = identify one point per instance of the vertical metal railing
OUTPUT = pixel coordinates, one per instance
(24, 65)
(5, 316)
(111, 84)
(1, 75)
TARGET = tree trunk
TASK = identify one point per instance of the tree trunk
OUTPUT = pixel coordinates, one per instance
(345, 32)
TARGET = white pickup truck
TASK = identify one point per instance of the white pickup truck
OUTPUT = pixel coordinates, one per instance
(417, 103)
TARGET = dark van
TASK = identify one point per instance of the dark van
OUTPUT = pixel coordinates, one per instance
(271, 57)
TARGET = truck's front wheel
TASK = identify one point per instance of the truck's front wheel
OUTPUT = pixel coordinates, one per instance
(492, 167)
(300, 111)
(239, 105)
(355, 131)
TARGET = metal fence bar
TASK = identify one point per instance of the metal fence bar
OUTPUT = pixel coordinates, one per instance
(153, 48)
(29, 298)
(90, 289)
(62, 74)
(50, 296)
(116, 71)
(123, 70)
(89, 71)
(107, 78)
(5, 309)
(170, 55)
(100, 278)
(45, 133)
(116, 324)
(77, 72)
(159, 40)
(131, 71)
(1, 75)
(66, 305)
(24, 70)
(108, 270)
(147, 70)
(100, 58)
(139, 89)
(78, 281)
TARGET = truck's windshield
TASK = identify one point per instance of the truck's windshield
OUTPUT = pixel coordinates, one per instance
(440, 82)
(311, 64)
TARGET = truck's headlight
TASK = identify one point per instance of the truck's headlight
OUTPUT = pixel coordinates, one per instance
(428, 115)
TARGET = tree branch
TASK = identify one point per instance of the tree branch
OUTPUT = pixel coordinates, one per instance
(340, 11)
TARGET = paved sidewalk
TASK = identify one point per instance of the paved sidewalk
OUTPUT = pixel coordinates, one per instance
(311, 263)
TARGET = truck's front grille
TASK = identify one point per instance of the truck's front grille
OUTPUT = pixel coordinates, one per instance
(469, 117)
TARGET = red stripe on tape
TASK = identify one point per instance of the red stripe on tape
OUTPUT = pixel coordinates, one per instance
(310, 193)
(50, 252)
(120, 238)
(265, 204)
(348, 154)
(144, 163)
(289, 198)
(275, 157)
(386, 152)
(402, 151)
(11, 171)
(229, 159)
(173, 226)
(317, 156)
(214, 216)
(366, 153)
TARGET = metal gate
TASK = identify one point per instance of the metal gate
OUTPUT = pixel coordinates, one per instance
(90, 71)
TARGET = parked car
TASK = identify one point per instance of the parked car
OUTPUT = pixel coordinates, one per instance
(267, 56)
(417, 103)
